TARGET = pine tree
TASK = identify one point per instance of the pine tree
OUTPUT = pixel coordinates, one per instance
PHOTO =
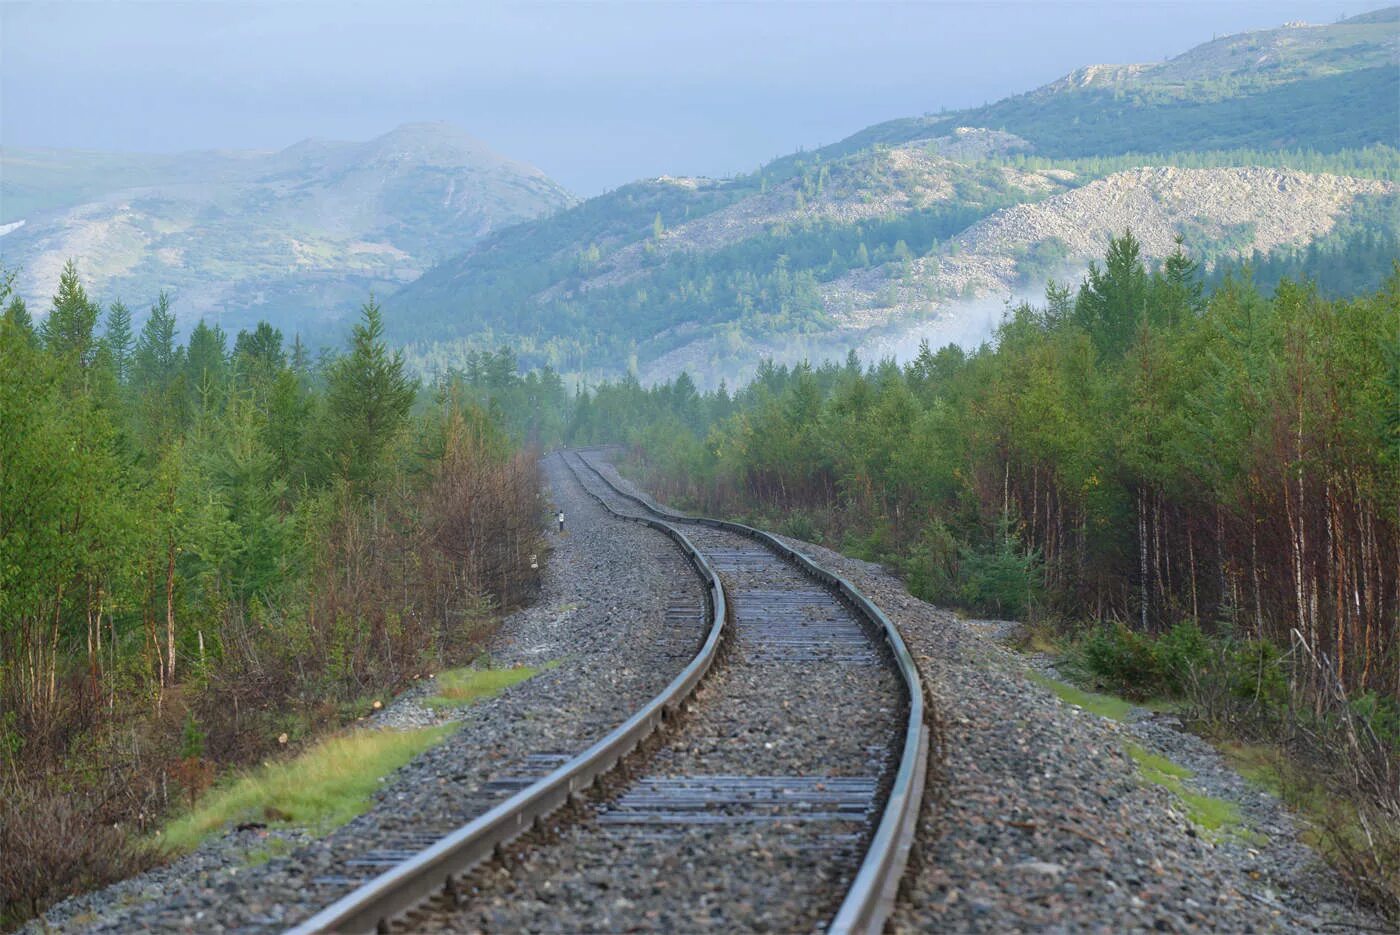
(369, 397)
(1113, 300)
(156, 361)
(120, 339)
(68, 331)
(17, 315)
(206, 365)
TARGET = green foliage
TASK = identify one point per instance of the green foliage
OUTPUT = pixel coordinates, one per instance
(1122, 661)
(1004, 578)
(1181, 660)
(209, 547)
(368, 399)
(1142, 450)
(192, 740)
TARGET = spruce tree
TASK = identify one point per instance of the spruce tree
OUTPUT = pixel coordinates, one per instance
(119, 338)
(368, 397)
(68, 331)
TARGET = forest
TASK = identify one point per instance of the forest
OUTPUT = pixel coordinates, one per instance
(1194, 492)
(1154, 451)
(214, 550)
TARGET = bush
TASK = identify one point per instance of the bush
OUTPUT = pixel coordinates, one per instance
(1215, 673)
(1003, 579)
(1121, 661)
(56, 844)
(1178, 653)
(930, 566)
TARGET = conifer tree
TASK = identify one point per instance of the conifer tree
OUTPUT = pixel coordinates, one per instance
(369, 398)
(68, 331)
(120, 339)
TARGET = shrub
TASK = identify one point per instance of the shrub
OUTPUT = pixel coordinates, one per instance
(1178, 653)
(930, 566)
(1120, 661)
(56, 844)
(1004, 578)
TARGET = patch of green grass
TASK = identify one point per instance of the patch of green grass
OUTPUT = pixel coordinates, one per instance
(275, 847)
(1257, 763)
(1157, 768)
(457, 688)
(1103, 705)
(1217, 817)
(322, 788)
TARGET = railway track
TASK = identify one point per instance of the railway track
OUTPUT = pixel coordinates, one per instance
(784, 798)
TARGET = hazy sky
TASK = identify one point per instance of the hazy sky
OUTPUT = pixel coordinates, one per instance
(595, 94)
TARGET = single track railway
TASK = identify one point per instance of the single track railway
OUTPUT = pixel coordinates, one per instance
(784, 798)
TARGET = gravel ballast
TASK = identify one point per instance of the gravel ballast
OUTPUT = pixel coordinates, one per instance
(601, 615)
(1041, 820)
(752, 814)
(1046, 824)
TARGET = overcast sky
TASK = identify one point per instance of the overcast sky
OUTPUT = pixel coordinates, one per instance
(595, 94)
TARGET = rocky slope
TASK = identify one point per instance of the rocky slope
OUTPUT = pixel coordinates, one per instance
(1216, 212)
(295, 236)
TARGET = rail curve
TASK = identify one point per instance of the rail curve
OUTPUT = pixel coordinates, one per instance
(870, 896)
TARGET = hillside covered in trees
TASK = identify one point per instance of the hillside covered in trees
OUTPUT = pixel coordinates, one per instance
(924, 228)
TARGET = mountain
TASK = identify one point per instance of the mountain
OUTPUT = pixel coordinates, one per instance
(926, 227)
(1325, 88)
(298, 236)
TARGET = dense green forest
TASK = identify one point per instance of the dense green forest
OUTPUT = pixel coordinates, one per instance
(1150, 451)
(206, 546)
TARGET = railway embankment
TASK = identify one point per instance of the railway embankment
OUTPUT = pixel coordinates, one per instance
(1048, 814)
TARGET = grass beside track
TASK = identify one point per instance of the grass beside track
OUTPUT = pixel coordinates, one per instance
(331, 781)
(1214, 816)
(457, 688)
(1103, 705)
(321, 788)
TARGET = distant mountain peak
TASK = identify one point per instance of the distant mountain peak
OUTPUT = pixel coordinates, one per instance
(436, 144)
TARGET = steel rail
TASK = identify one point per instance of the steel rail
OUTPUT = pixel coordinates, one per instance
(871, 896)
(370, 907)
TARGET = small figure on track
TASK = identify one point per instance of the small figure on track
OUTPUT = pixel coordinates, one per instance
(561, 520)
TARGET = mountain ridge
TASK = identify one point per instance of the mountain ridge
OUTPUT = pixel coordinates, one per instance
(299, 235)
(865, 240)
